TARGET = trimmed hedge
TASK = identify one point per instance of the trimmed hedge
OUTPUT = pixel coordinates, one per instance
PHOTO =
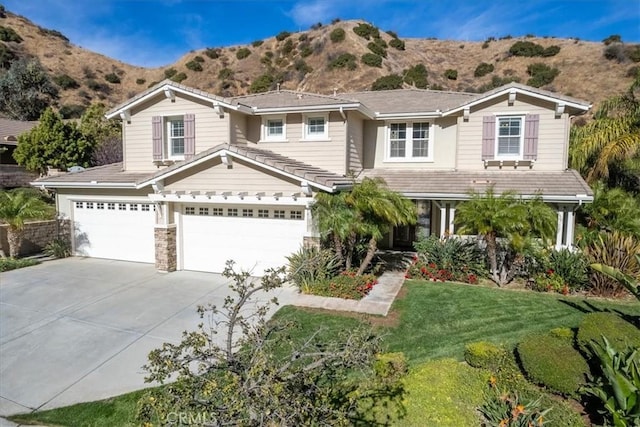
(619, 332)
(483, 354)
(554, 363)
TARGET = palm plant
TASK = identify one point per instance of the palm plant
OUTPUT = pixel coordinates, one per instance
(336, 222)
(609, 146)
(16, 207)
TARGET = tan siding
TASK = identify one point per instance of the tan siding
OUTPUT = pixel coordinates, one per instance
(552, 135)
(355, 136)
(211, 130)
(238, 128)
(214, 176)
(372, 133)
(329, 155)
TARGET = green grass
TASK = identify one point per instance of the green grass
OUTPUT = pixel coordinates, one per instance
(434, 320)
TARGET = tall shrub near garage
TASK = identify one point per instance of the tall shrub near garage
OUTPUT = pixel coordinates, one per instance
(16, 207)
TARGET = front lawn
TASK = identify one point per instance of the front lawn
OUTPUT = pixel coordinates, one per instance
(428, 321)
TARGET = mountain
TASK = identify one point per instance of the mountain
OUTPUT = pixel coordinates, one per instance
(323, 60)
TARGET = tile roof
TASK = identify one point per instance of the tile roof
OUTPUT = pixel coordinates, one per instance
(112, 173)
(410, 100)
(10, 129)
(562, 183)
(289, 98)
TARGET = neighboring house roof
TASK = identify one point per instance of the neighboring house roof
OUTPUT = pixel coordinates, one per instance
(112, 176)
(11, 129)
(553, 186)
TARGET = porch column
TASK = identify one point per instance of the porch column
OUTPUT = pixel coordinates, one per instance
(452, 216)
(560, 230)
(443, 219)
(165, 234)
(570, 228)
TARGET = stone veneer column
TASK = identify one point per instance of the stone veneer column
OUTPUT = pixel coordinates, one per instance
(165, 239)
(311, 242)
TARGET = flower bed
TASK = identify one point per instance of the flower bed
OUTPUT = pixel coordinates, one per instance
(431, 271)
(345, 285)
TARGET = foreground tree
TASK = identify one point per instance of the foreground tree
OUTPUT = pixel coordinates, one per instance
(26, 90)
(509, 218)
(16, 207)
(255, 375)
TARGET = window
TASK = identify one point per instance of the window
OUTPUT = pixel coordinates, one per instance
(175, 137)
(122, 206)
(111, 206)
(409, 142)
(316, 127)
(274, 129)
(203, 211)
(145, 207)
(278, 214)
(232, 212)
(100, 205)
(247, 213)
(189, 210)
(509, 137)
(79, 205)
(263, 213)
(133, 207)
(89, 205)
(295, 215)
(217, 212)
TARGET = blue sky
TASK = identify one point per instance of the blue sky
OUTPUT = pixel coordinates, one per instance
(157, 32)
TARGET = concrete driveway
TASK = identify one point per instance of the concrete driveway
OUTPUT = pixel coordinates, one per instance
(79, 329)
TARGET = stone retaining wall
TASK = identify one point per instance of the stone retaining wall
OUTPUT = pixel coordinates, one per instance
(13, 176)
(36, 235)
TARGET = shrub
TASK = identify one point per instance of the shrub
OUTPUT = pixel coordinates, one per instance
(72, 111)
(554, 363)
(6, 56)
(141, 81)
(303, 37)
(377, 48)
(615, 51)
(305, 49)
(392, 81)
(485, 355)
(198, 58)
(541, 74)
(563, 334)
(443, 392)
(170, 72)
(344, 60)
(526, 48)
(257, 43)
(66, 82)
(53, 33)
(619, 333)
(571, 266)
(483, 69)
(112, 78)
(310, 265)
(301, 66)
(288, 47)
(396, 43)
(463, 257)
(416, 76)
(212, 53)
(366, 31)
(345, 285)
(372, 60)
(337, 35)
(58, 248)
(613, 38)
(509, 409)
(282, 35)
(180, 77)
(97, 86)
(316, 26)
(615, 250)
(242, 53)
(7, 264)
(225, 73)
(550, 281)
(194, 66)
(388, 365)
(8, 34)
(550, 51)
(262, 83)
(451, 74)
(633, 53)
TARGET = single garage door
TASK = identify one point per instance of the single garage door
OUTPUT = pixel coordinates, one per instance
(114, 230)
(255, 237)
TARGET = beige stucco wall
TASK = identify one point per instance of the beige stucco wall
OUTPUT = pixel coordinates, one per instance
(215, 176)
(329, 154)
(552, 133)
(211, 130)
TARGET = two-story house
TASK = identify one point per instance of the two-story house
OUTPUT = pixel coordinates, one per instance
(206, 179)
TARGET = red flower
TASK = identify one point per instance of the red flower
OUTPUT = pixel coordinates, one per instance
(550, 271)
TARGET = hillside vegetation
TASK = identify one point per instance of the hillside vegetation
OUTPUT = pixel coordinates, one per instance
(343, 56)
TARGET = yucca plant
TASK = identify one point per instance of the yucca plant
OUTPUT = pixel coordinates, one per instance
(311, 265)
(618, 252)
(628, 281)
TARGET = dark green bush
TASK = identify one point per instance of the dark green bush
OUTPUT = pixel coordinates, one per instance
(288, 47)
(225, 73)
(451, 74)
(58, 248)
(463, 258)
(242, 53)
(613, 38)
(180, 77)
(485, 355)
(8, 34)
(66, 82)
(72, 111)
(282, 35)
(141, 81)
(573, 267)
(377, 48)
(303, 37)
(526, 48)
(301, 66)
(396, 43)
(257, 43)
(97, 86)
(372, 60)
(554, 363)
(497, 81)
(392, 81)
(633, 52)
(7, 264)
(310, 265)
(416, 76)
(170, 72)
(367, 31)
(6, 56)
(212, 53)
(262, 83)
(483, 69)
(53, 33)
(541, 74)
(194, 66)
(344, 60)
(112, 78)
(305, 49)
(337, 35)
(551, 51)
(3, 13)
(615, 51)
(619, 332)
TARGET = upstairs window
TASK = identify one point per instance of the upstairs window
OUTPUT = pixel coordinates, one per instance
(510, 136)
(316, 127)
(274, 129)
(175, 137)
(409, 142)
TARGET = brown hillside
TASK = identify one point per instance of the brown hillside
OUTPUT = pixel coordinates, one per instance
(584, 72)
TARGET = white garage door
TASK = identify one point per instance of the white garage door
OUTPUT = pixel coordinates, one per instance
(114, 230)
(256, 238)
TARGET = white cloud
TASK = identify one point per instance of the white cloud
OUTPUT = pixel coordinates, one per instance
(306, 13)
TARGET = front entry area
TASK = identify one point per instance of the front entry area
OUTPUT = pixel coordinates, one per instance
(255, 237)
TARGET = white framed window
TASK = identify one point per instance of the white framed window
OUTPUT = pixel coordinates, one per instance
(175, 137)
(89, 205)
(217, 212)
(274, 128)
(263, 213)
(409, 141)
(133, 206)
(122, 206)
(189, 210)
(111, 206)
(247, 213)
(278, 214)
(232, 212)
(145, 207)
(316, 127)
(203, 211)
(509, 137)
(80, 205)
(295, 214)
(100, 205)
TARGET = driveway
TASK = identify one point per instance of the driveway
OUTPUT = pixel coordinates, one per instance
(80, 329)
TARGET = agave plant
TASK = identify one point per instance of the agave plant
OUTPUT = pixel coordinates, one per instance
(628, 281)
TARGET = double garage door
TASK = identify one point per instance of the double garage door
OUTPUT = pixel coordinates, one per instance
(255, 237)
